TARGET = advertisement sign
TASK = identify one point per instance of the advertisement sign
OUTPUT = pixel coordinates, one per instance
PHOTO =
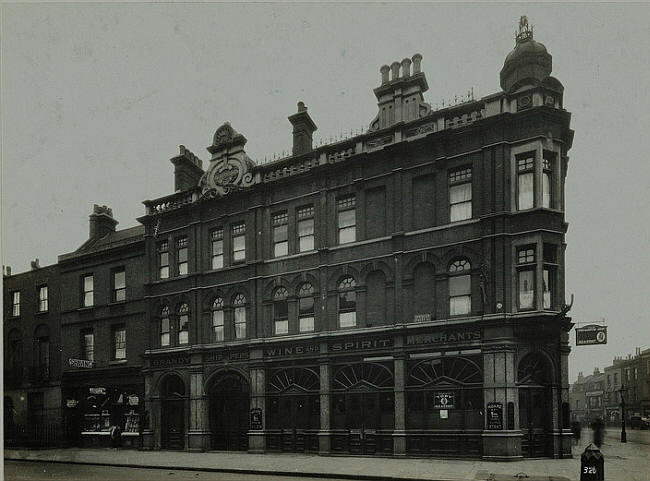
(72, 362)
(443, 400)
(495, 416)
(591, 334)
(256, 418)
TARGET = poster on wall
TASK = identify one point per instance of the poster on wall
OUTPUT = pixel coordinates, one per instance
(256, 418)
(495, 416)
(443, 400)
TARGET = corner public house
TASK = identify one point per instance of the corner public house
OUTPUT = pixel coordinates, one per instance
(397, 292)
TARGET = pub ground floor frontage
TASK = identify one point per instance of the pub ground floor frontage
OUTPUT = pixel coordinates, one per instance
(466, 390)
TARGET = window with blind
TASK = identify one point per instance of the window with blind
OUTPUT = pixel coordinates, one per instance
(526, 181)
(460, 194)
(460, 288)
(305, 228)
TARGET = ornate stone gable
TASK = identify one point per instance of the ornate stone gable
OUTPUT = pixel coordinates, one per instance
(230, 168)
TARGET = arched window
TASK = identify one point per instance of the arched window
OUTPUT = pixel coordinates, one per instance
(164, 326)
(239, 303)
(460, 288)
(183, 324)
(217, 319)
(280, 311)
(347, 302)
(306, 308)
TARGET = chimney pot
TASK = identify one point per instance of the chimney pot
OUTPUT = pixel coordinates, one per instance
(384, 69)
(35, 264)
(406, 67)
(417, 58)
(8, 270)
(394, 67)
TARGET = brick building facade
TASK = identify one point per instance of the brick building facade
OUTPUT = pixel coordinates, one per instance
(397, 292)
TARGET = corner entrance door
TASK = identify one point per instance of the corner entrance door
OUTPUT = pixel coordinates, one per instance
(229, 405)
(534, 417)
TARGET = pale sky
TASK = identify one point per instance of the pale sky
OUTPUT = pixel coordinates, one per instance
(96, 98)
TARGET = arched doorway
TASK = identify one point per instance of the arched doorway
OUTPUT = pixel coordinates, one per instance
(535, 405)
(363, 402)
(293, 409)
(229, 405)
(444, 394)
(173, 413)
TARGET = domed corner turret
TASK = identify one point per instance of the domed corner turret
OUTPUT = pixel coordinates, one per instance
(529, 63)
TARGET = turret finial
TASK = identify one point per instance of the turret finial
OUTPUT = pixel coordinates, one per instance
(525, 32)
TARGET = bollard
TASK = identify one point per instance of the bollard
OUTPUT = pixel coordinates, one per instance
(592, 464)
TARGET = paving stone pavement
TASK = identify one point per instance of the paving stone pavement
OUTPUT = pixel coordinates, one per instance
(623, 462)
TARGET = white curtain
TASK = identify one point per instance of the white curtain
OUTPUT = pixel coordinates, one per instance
(460, 200)
(526, 191)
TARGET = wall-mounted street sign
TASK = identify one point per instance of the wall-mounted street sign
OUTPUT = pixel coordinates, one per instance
(591, 334)
(81, 363)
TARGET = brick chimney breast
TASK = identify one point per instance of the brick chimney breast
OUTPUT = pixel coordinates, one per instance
(101, 221)
(303, 130)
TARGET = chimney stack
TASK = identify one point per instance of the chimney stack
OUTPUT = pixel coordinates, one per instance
(35, 264)
(188, 169)
(101, 221)
(8, 271)
(303, 130)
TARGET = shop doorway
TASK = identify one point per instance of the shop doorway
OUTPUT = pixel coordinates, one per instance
(535, 401)
(173, 413)
(229, 406)
(444, 406)
(363, 405)
(293, 410)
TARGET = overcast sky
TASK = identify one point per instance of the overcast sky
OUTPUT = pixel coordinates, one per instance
(96, 99)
